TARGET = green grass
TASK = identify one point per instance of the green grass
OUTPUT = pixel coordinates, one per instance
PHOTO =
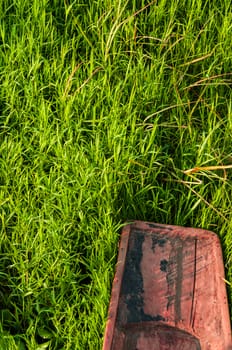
(103, 104)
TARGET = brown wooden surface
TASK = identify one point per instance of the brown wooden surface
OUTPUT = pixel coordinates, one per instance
(168, 292)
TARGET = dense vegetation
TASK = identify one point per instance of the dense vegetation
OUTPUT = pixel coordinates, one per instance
(103, 105)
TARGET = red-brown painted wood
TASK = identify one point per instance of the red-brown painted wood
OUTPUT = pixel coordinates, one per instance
(169, 291)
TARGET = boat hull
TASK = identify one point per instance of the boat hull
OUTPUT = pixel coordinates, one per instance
(169, 291)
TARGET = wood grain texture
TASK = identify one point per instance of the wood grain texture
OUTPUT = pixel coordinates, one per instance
(168, 292)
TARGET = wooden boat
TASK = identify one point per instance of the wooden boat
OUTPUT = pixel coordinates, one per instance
(169, 291)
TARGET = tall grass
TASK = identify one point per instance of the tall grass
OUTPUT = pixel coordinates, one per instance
(103, 105)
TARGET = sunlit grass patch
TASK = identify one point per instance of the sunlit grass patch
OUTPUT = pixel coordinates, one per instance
(109, 111)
